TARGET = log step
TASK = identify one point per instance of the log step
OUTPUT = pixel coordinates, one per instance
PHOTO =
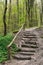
(21, 57)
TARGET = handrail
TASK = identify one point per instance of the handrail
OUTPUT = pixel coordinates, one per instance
(15, 36)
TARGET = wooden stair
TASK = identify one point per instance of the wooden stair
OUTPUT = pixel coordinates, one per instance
(28, 47)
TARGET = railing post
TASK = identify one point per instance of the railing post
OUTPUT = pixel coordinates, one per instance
(3, 63)
(9, 53)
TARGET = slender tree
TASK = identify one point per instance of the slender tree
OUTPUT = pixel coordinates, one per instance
(9, 13)
(26, 18)
(18, 9)
(9, 10)
(35, 12)
(4, 18)
(41, 11)
(30, 13)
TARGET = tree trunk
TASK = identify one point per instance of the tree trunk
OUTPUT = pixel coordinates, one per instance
(42, 11)
(9, 10)
(26, 22)
(28, 12)
(4, 18)
(18, 10)
(9, 17)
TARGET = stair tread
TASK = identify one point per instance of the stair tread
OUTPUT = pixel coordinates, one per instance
(32, 42)
(25, 39)
(29, 44)
(27, 49)
(28, 33)
(21, 56)
(26, 53)
(29, 37)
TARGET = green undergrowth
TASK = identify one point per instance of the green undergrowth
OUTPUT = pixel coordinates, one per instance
(4, 41)
(14, 49)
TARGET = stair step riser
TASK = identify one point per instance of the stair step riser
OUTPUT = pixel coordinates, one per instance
(27, 54)
(28, 33)
(22, 58)
(30, 46)
(27, 51)
(34, 43)
(29, 37)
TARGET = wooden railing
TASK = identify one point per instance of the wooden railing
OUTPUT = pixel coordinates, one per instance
(9, 46)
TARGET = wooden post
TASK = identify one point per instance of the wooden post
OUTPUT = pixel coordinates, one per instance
(3, 63)
(9, 53)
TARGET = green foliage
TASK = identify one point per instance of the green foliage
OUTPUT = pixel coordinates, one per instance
(14, 24)
(14, 49)
(4, 41)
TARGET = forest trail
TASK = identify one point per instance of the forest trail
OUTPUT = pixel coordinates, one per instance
(31, 49)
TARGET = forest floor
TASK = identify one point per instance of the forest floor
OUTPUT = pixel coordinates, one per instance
(38, 57)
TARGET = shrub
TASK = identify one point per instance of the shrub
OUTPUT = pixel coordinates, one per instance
(4, 41)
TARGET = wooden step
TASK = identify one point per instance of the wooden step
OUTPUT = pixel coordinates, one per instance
(29, 37)
(28, 50)
(24, 38)
(29, 46)
(21, 57)
(32, 42)
(27, 53)
(29, 34)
